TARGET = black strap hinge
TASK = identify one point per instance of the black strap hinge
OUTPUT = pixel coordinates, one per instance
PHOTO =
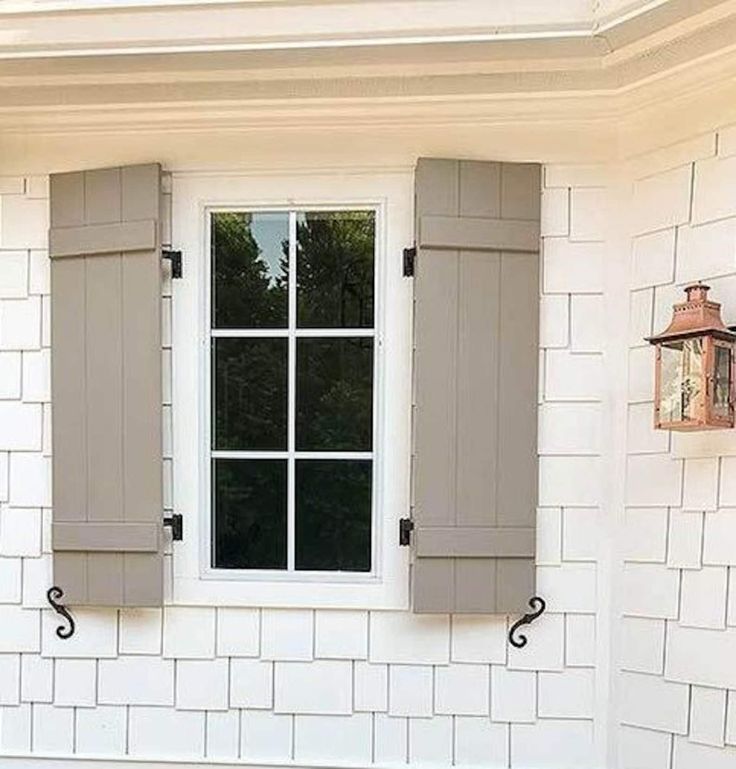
(176, 523)
(406, 526)
(175, 258)
(410, 257)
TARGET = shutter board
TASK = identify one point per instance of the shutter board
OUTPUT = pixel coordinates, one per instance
(104, 245)
(476, 307)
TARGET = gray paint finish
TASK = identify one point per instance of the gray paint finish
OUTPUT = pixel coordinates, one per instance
(106, 386)
(476, 323)
(472, 233)
(107, 537)
(102, 238)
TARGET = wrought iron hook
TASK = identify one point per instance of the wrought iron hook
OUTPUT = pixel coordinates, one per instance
(54, 594)
(538, 605)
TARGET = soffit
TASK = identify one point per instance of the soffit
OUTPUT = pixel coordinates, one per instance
(596, 66)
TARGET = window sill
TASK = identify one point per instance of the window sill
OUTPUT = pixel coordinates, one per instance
(365, 594)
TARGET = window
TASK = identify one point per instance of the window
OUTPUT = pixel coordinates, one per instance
(291, 388)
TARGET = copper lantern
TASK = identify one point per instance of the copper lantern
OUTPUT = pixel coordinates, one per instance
(694, 375)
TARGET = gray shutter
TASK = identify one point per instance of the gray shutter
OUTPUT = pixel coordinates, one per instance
(104, 245)
(476, 295)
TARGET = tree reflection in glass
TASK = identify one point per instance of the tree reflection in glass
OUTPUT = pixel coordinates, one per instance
(332, 389)
(250, 269)
(333, 515)
(335, 269)
(250, 393)
(250, 499)
(334, 395)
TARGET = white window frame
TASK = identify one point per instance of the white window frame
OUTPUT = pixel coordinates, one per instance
(194, 196)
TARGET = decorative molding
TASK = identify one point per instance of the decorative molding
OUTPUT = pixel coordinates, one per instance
(600, 77)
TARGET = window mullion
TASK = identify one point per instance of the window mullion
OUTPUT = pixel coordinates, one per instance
(291, 384)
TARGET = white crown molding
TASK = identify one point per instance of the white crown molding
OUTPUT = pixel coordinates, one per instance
(600, 78)
(60, 29)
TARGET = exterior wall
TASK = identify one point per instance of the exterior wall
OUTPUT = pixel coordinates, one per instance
(678, 633)
(636, 536)
(312, 686)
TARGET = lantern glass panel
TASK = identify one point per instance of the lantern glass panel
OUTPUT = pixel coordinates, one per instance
(721, 381)
(681, 379)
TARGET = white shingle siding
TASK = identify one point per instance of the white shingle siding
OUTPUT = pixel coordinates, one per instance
(678, 527)
(359, 687)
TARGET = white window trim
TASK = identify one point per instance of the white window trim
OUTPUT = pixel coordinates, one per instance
(390, 193)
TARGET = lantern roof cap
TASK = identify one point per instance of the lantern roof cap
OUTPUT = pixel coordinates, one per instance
(696, 316)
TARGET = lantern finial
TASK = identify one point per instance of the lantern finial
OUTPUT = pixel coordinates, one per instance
(697, 292)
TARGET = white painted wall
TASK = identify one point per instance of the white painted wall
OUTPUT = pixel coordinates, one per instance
(678, 633)
(325, 687)
(312, 686)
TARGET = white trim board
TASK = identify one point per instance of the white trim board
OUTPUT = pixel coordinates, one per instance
(72, 28)
(54, 761)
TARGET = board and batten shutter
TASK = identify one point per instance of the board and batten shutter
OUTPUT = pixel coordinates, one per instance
(105, 250)
(476, 307)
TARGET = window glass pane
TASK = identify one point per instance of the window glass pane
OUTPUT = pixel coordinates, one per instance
(722, 383)
(681, 378)
(250, 402)
(334, 394)
(249, 499)
(250, 266)
(335, 253)
(333, 515)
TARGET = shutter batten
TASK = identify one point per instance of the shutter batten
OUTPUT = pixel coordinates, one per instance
(475, 384)
(475, 541)
(474, 233)
(104, 245)
(106, 537)
(102, 239)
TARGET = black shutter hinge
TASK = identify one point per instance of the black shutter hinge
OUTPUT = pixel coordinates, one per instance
(175, 258)
(176, 523)
(410, 257)
(406, 526)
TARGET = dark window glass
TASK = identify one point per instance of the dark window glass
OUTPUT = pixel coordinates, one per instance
(249, 500)
(334, 394)
(250, 393)
(335, 251)
(250, 270)
(333, 515)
